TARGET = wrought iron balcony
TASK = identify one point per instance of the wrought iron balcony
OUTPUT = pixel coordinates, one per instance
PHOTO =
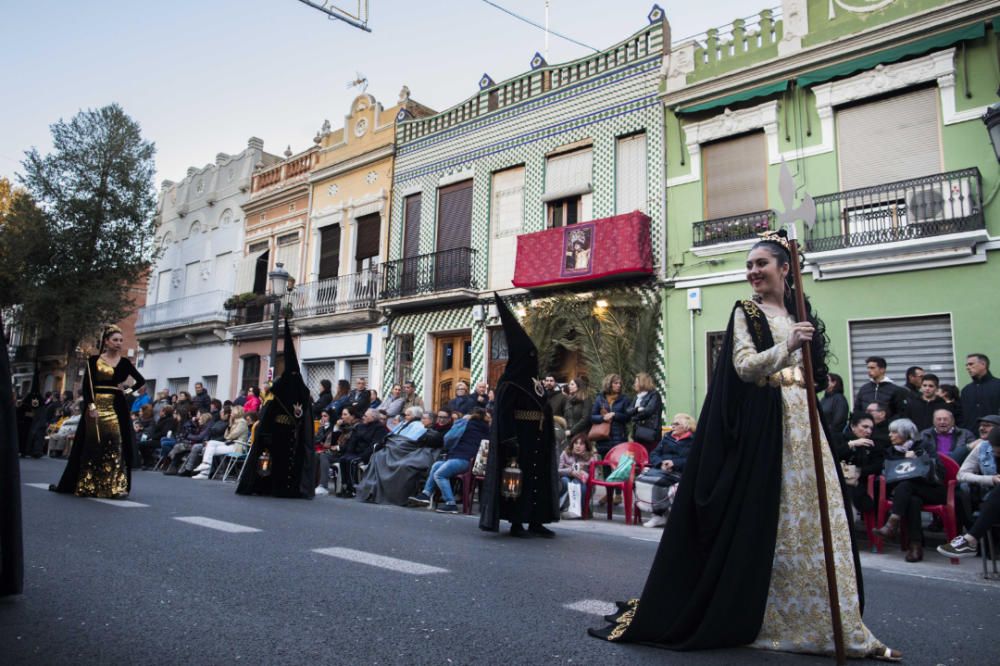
(186, 311)
(429, 273)
(356, 291)
(937, 205)
(734, 228)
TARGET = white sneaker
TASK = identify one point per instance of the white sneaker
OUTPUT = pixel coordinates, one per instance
(320, 490)
(655, 521)
(204, 467)
(202, 476)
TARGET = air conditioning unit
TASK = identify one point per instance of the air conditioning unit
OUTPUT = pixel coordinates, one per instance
(948, 200)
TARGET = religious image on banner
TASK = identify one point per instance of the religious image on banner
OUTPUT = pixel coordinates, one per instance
(578, 245)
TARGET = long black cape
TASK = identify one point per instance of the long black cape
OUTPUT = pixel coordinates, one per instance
(11, 538)
(710, 577)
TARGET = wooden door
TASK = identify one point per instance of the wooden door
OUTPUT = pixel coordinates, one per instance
(498, 357)
(453, 363)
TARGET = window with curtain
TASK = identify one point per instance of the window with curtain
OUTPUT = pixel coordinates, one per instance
(568, 194)
(288, 253)
(735, 175)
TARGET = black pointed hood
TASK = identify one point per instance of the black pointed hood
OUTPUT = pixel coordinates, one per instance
(290, 386)
(522, 355)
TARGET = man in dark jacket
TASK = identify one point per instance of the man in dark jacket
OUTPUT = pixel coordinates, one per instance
(922, 407)
(880, 389)
(556, 398)
(201, 399)
(359, 448)
(982, 395)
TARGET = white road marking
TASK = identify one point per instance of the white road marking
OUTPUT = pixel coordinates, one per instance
(642, 539)
(125, 504)
(963, 579)
(43, 486)
(214, 524)
(381, 561)
(592, 607)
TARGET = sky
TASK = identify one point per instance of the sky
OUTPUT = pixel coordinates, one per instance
(203, 76)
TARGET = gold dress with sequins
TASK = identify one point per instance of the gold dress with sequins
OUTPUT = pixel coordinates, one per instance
(797, 615)
(104, 447)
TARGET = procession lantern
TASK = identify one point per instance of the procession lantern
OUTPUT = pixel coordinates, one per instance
(510, 483)
(264, 464)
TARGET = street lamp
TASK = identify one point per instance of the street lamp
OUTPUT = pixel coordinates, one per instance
(992, 120)
(279, 278)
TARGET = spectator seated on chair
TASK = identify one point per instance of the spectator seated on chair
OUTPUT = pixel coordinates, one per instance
(144, 433)
(194, 432)
(235, 435)
(671, 454)
(856, 447)
(986, 475)
(461, 444)
(198, 440)
(330, 447)
(979, 475)
(946, 437)
(909, 497)
(399, 464)
(574, 463)
(358, 450)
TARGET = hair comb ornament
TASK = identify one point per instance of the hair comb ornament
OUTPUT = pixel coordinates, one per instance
(779, 237)
(111, 330)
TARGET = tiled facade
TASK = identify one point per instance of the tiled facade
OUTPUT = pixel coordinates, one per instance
(593, 101)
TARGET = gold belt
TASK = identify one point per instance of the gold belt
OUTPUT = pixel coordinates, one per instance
(784, 377)
(527, 415)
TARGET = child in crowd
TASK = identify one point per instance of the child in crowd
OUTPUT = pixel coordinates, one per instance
(574, 466)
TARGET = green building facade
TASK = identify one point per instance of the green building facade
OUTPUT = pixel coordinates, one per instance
(875, 108)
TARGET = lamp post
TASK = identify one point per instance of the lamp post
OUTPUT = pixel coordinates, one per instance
(992, 120)
(279, 287)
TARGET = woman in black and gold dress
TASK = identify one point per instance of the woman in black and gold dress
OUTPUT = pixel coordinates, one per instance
(104, 447)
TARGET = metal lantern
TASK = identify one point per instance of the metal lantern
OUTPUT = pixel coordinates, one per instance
(992, 120)
(264, 464)
(510, 482)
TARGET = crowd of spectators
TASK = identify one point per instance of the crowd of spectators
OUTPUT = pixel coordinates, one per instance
(394, 450)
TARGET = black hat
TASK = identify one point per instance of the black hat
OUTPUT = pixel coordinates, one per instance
(290, 386)
(522, 355)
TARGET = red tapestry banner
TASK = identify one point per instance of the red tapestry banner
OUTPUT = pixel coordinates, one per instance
(618, 245)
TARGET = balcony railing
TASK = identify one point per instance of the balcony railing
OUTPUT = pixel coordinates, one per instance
(430, 273)
(182, 311)
(733, 228)
(344, 293)
(256, 313)
(935, 205)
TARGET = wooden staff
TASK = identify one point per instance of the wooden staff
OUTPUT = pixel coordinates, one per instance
(817, 447)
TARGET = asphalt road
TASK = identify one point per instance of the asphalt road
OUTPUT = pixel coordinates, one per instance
(159, 584)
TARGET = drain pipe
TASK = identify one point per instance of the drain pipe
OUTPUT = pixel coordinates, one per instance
(694, 307)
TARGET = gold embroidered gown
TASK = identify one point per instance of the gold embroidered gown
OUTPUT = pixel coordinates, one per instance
(104, 448)
(797, 614)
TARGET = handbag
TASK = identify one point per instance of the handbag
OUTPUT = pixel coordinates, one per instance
(652, 489)
(645, 434)
(621, 472)
(909, 469)
(852, 473)
(479, 466)
(600, 431)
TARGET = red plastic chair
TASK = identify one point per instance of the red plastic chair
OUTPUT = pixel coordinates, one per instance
(641, 457)
(946, 511)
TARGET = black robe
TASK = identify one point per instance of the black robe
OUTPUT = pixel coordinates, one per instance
(709, 581)
(30, 407)
(11, 538)
(286, 433)
(84, 445)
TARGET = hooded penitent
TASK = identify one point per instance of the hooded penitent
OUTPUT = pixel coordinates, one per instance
(522, 432)
(30, 408)
(284, 433)
(11, 544)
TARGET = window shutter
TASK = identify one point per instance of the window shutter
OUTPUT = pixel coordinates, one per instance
(735, 176)
(568, 174)
(630, 174)
(288, 254)
(367, 243)
(902, 342)
(329, 252)
(163, 286)
(246, 272)
(455, 216)
(508, 202)
(888, 140)
(191, 281)
(358, 369)
(411, 233)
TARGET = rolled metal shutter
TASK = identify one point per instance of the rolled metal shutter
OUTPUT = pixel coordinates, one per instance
(455, 216)
(411, 234)
(329, 252)
(735, 176)
(903, 342)
(888, 140)
(359, 369)
(568, 174)
(630, 174)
